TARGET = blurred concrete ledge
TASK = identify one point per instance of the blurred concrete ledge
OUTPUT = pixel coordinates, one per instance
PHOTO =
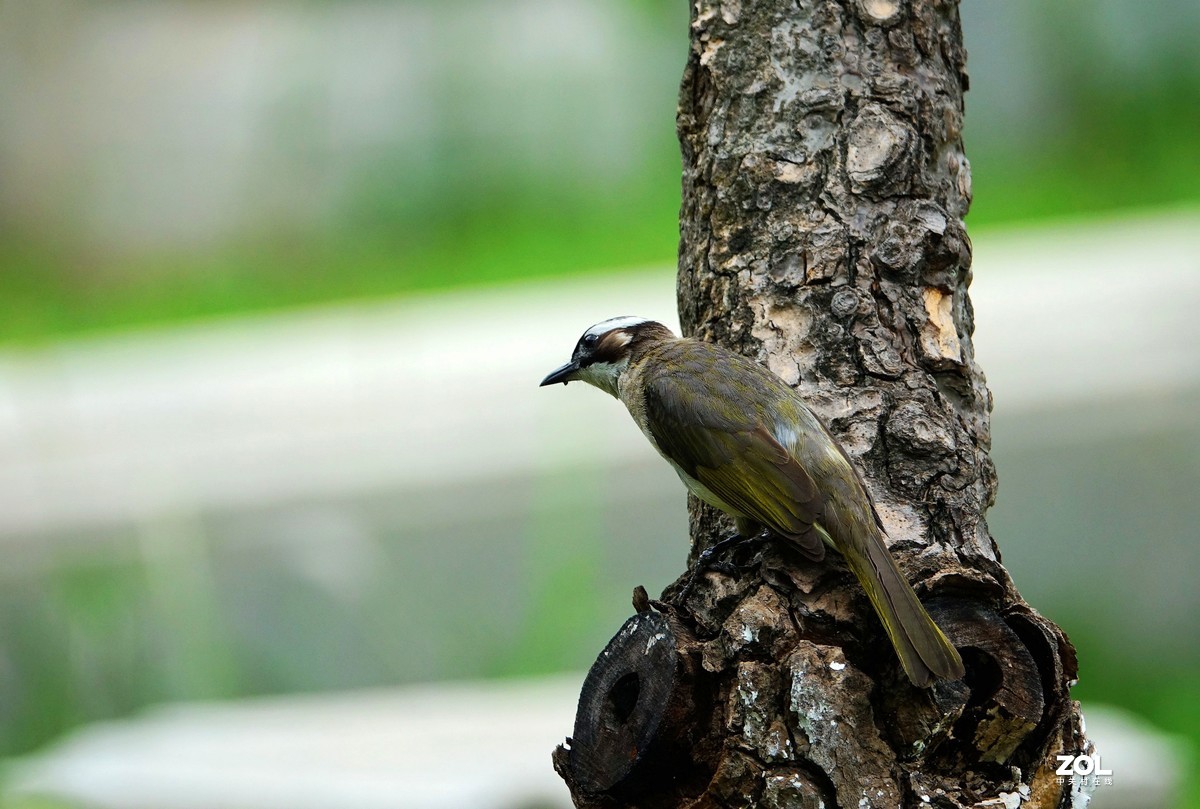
(473, 745)
(149, 425)
(479, 745)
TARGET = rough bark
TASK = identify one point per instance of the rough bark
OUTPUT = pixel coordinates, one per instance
(823, 194)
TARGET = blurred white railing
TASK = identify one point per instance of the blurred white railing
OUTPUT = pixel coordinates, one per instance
(129, 429)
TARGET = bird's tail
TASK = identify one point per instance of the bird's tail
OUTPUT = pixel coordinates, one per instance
(924, 651)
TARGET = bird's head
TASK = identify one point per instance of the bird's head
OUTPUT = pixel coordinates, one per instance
(604, 351)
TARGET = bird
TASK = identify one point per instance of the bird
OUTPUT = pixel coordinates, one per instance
(744, 441)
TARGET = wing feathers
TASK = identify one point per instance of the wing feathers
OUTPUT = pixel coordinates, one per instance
(700, 426)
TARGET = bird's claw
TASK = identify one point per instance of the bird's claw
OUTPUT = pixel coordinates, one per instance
(707, 560)
(728, 568)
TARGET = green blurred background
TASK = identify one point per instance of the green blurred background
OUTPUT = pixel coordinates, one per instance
(176, 163)
(143, 185)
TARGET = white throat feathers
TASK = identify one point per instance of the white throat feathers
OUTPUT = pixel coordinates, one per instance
(605, 375)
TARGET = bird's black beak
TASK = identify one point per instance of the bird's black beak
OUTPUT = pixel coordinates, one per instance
(564, 374)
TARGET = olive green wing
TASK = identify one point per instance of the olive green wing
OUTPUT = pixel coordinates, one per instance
(734, 455)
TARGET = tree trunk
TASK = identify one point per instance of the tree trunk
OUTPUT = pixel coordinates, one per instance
(823, 193)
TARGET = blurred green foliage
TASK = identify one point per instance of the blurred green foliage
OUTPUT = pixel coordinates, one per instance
(1123, 148)
(1166, 694)
(453, 242)
(1118, 149)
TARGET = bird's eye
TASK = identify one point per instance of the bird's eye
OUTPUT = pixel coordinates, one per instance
(590, 340)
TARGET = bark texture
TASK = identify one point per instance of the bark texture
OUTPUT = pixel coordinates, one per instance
(823, 194)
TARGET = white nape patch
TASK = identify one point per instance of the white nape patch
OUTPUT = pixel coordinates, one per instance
(605, 326)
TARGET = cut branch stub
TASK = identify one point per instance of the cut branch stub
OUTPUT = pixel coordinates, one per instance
(1007, 700)
(635, 711)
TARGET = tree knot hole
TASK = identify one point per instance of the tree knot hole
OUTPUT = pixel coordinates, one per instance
(623, 697)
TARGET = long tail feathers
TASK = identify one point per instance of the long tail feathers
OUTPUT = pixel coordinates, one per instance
(924, 650)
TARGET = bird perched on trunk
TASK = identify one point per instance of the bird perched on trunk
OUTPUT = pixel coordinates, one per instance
(743, 441)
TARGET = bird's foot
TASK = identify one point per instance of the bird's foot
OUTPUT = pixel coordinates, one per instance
(708, 560)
